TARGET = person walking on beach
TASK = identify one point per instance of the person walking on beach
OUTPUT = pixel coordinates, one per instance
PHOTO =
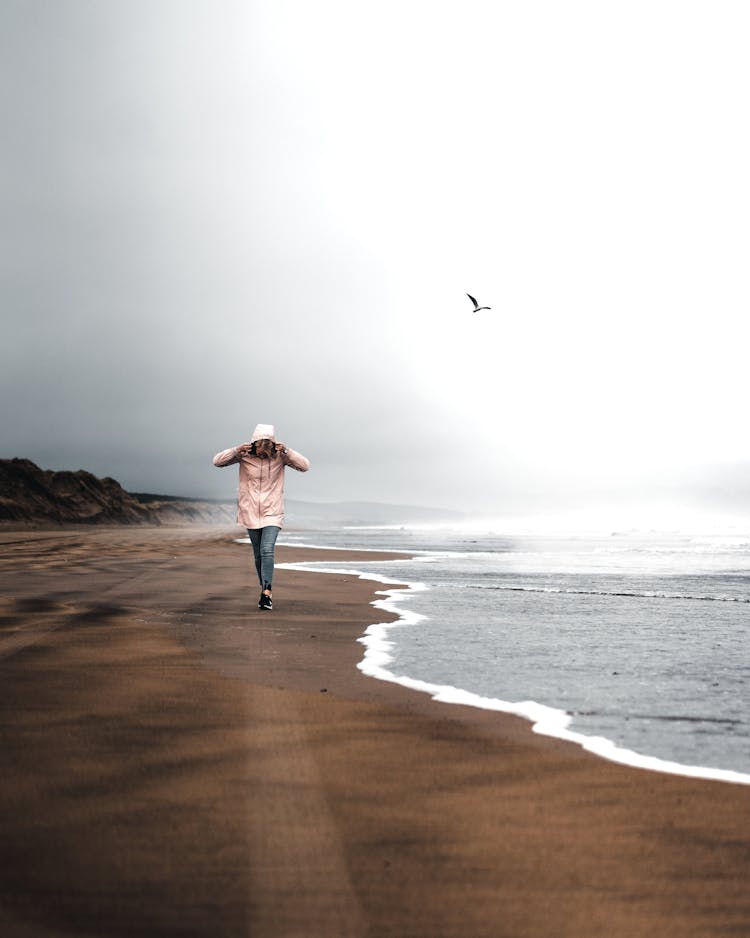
(260, 503)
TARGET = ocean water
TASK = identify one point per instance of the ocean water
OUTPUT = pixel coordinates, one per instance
(635, 645)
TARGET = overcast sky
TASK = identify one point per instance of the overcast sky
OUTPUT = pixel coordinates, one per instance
(222, 213)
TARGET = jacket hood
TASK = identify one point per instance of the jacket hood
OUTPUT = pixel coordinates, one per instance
(264, 431)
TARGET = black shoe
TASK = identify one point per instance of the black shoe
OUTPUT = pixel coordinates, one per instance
(265, 601)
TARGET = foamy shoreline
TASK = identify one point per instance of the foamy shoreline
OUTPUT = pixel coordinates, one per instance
(546, 721)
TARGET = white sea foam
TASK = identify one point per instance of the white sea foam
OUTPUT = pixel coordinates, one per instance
(635, 594)
(349, 550)
(547, 721)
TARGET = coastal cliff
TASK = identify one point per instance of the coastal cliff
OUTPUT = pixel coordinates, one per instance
(30, 495)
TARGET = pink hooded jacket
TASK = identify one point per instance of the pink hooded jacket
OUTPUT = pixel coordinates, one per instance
(260, 500)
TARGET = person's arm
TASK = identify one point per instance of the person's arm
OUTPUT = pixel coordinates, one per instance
(292, 458)
(227, 456)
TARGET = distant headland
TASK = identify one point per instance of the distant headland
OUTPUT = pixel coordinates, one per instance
(33, 496)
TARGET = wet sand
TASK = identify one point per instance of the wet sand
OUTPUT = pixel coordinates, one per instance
(177, 762)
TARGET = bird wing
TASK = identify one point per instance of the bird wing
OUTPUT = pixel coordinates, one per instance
(472, 299)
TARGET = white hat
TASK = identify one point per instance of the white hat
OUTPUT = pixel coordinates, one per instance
(264, 431)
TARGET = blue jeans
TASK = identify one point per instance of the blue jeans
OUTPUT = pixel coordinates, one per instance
(264, 542)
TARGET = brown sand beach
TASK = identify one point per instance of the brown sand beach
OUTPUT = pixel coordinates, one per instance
(177, 762)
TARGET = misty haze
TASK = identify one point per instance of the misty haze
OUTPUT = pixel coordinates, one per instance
(374, 478)
(220, 215)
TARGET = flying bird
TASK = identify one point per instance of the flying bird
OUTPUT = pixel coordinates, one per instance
(477, 307)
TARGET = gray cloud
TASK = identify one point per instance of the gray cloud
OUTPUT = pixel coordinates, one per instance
(210, 219)
(169, 280)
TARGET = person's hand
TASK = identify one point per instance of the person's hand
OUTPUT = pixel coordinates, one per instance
(244, 449)
(280, 447)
